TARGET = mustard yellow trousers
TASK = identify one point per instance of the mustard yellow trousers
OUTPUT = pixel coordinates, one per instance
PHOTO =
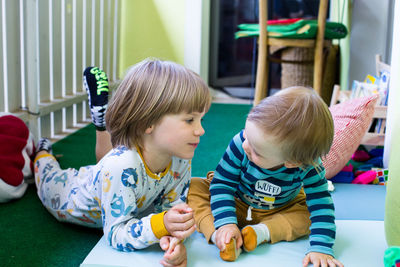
(288, 222)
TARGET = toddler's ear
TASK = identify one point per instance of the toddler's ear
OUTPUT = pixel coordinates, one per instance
(149, 130)
(290, 165)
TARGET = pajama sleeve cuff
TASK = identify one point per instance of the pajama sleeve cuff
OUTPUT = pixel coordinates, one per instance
(157, 225)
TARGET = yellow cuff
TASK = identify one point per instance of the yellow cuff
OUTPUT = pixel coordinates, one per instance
(157, 225)
(43, 156)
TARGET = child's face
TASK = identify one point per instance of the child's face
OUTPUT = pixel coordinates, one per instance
(263, 149)
(178, 134)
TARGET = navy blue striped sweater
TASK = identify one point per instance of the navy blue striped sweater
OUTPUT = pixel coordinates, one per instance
(237, 176)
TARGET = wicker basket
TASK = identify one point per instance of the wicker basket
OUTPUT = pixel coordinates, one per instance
(298, 67)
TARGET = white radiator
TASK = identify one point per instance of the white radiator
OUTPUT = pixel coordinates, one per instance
(45, 47)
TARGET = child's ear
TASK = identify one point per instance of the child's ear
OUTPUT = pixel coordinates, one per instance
(290, 165)
(149, 130)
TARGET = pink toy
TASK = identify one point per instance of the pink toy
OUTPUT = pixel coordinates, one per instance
(365, 178)
(360, 155)
(358, 173)
(348, 168)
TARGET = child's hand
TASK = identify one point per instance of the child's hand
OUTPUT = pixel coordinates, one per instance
(179, 221)
(321, 259)
(225, 233)
(175, 252)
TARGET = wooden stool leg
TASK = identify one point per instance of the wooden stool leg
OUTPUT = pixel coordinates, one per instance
(262, 63)
(319, 46)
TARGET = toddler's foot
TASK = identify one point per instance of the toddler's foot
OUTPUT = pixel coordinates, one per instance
(96, 83)
(254, 235)
(231, 253)
(44, 144)
(249, 238)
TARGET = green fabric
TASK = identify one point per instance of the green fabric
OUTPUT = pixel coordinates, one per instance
(302, 29)
(391, 257)
(30, 236)
(392, 202)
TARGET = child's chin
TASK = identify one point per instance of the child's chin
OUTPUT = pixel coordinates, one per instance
(186, 156)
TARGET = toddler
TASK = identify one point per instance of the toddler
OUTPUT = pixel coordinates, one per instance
(270, 184)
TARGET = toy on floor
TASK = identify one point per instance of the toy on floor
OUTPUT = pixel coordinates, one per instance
(16, 157)
(392, 257)
(365, 167)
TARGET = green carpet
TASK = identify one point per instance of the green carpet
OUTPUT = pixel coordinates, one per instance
(30, 236)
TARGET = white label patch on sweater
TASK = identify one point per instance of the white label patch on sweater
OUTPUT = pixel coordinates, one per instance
(267, 188)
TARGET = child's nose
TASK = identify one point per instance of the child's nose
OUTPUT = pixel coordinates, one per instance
(199, 130)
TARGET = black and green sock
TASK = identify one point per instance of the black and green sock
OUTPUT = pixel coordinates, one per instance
(96, 83)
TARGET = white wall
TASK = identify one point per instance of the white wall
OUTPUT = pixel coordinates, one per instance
(197, 28)
(371, 33)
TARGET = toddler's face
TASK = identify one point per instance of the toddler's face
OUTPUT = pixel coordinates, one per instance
(263, 149)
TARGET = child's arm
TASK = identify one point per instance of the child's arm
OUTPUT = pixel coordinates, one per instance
(122, 196)
(322, 216)
(320, 259)
(225, 183)
(178, 219)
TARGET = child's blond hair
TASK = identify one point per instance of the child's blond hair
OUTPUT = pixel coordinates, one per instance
(301, 122)
(150, 90)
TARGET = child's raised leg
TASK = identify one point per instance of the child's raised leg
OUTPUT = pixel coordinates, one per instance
(97, 88)
(50, 180)
(56, 187)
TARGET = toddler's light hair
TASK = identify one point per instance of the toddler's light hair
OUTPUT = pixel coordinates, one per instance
(150, 90)
(301, 122)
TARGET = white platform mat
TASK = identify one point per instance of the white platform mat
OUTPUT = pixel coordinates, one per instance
(358, 243)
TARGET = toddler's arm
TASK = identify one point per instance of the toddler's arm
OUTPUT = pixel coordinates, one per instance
(321, 207)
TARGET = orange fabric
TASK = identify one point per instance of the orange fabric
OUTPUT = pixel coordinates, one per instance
(287, 223)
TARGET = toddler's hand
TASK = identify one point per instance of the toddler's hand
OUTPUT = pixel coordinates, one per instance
(224, 235)
(179, 221)
(321, 259)
(175, 252)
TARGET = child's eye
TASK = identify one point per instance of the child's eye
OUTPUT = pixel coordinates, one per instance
(189, 120)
